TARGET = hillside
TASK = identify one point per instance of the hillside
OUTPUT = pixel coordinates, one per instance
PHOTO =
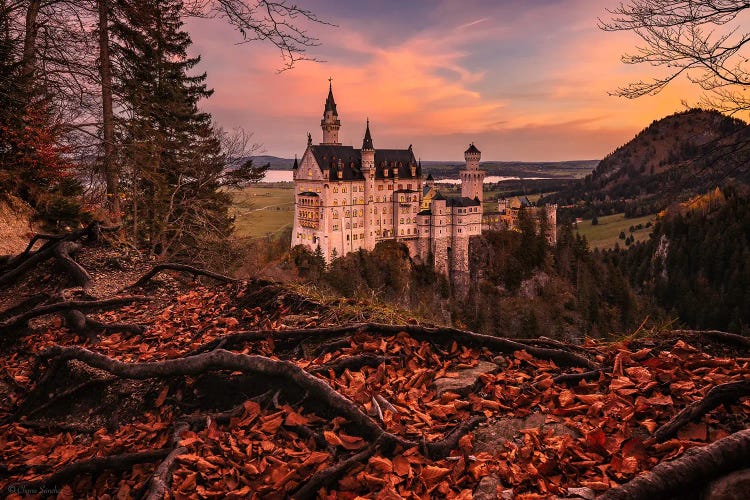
(224, 388)
(674, 158)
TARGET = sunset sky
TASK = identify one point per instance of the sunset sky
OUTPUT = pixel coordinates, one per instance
(524, 79)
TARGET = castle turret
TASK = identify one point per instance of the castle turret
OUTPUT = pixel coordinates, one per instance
(330, 122)
(368, 171)
(472, 178)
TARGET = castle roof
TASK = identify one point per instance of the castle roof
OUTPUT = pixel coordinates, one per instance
(296, 163)
(349, 160)
(367, 141)
(472, 149)
(330, 103)
(308, 193)
(438, 196)
(429, 177)
(463, 201)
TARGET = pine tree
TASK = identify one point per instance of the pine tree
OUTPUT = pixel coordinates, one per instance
(171, 150)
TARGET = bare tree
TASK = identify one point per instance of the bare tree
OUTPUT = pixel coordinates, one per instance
(702, 40)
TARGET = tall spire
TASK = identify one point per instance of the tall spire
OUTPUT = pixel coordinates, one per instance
(330, 122)
(330, 103)
(367, 141)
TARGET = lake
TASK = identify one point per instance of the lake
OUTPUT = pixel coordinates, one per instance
(286, 176)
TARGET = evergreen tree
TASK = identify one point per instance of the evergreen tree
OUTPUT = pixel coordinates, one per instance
(171, 151)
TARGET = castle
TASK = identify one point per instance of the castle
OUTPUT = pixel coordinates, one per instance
(348, 199)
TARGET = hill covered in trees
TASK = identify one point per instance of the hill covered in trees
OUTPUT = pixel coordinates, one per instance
(680, 156)
(697, 262)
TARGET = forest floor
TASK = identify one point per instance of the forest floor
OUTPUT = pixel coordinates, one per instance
(247, 389)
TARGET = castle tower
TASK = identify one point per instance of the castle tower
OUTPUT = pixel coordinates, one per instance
(368, 171)
(330, 122)
(472, 178)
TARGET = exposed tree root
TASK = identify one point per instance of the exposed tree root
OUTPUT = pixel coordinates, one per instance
(351, 363)
(195, 271)
(495, 344)
(724, 337)
(93, 466)
(224, 360)
(65, 394)
(62, 253)
(25, 261)
(160, 481)
(21, 320)
(572, 378)
(692, 470)
(25, 305)
(721, 394)
(83, 325)
(329, 475)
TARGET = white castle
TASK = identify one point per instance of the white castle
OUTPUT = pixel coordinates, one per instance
(348, 199)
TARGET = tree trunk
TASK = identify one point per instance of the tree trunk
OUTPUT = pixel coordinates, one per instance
(111, 174)
(29, 41)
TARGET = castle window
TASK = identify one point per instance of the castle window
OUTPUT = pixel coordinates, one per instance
(401, 220)
(347, 237)
(385, 210)
(390, 187)
(343, 189)
(348, 226)
(335, 203)
(408, 186)
(380, 187)
(347, 214)
(402, 232)
(335, 189)
(335, 215)
(335, 227)
(400, 187)
(370, 199)
(385, 172)
(343, 202)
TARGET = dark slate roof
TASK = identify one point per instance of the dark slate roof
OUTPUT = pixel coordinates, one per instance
(438, 196)
(425, 212)
(296, 164)
(367, 141)
(349, 160)
(308, 193)
(462, 201)
(472, 149)
(330, 103)
(429, 177)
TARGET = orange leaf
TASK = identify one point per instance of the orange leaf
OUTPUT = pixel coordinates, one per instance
(432, 474)
(401, 466)
(382, 465)
(294, 418)
(332, 438)
(351, 442)
(162, 396)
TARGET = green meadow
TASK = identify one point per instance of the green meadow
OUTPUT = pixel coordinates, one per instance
(263, 209)
(606, 233)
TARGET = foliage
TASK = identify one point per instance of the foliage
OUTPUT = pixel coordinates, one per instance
(697, 262)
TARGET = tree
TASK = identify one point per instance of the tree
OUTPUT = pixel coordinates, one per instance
(177, 165)
(699, 39)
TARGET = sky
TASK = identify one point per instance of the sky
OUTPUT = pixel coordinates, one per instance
(525, 80)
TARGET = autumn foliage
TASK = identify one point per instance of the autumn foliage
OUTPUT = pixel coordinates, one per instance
(259, 436)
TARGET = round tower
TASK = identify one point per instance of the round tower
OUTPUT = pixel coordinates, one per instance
(330, 122)
(368, 171)
(472, 178)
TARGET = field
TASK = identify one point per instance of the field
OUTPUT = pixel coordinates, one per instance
(263, 209)
(606, 233)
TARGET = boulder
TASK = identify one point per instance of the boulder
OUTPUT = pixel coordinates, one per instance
(493, 435)
(466, 379)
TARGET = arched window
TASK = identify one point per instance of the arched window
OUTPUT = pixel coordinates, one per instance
(335, 189)
(335, 203)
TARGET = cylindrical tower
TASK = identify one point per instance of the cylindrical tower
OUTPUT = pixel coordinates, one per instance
(472, 178)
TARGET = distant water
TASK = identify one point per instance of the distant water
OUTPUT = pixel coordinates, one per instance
(286, 176)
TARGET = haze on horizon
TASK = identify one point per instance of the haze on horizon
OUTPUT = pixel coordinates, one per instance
(526, 80)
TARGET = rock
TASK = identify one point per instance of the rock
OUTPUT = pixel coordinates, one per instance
(734, 486)
(501, 361)
(487, 488)
(492, 436)
(583, 492)
(466, 380)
